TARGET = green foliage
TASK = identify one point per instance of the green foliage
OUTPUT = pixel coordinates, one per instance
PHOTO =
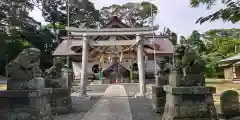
(195, 41)
(230, 13)
(172, 35)
(215, 45)
(18, 30)
(133, 14)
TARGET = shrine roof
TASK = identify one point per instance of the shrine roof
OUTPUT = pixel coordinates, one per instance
(114, 20)
(163, 45)
(64, 49)
(234, 58)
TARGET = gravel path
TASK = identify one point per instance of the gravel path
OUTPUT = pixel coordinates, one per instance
(141, 108)
(80, 108)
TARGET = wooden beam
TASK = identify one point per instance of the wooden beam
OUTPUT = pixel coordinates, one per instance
(109, 43)
(112, 43)
(111, 33)
(87, 30)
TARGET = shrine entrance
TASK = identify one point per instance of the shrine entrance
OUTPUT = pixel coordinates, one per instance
(115, 48)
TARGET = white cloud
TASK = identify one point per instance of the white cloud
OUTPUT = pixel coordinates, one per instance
(174, 14)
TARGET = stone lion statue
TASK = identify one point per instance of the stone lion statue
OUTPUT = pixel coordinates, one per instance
(55, 70)
(55, 76)
(26, 64)
(24, 71)
(190, 64)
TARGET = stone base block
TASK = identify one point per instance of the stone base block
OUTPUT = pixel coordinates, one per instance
(25, 104)
(229, 116)
(170, 118)
(189, 90)
(60, 100)
(189, 99)
(159, 110)
(197, 111)
(158, 91)
(158, 101)
(234, 118)
(61, 110)
(27, 114)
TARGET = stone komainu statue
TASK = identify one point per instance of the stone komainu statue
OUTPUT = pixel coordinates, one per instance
(190, 65)
(26, 64)
(163, 71)
(24, 71)
(55, 75)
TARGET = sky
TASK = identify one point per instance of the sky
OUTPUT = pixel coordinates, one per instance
(174, 14)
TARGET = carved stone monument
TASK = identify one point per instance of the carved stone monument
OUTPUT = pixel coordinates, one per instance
(158, 94)
(229, 105)
(57, 79)
(187, 97)
(26, 97)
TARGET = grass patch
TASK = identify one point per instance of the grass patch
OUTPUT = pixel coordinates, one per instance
(221, 86)
(3, 87)
(216, 81)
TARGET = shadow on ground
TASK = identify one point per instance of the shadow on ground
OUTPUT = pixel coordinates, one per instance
(79, 109)
(141, 109)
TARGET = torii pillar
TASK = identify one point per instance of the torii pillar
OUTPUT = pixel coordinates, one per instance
(140, 59)
(84, 73)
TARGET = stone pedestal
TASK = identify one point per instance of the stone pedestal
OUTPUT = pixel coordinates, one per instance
(187, 97)
(60, 101)
(70, 78)
(158, 94)
(158, 99)
(25, 105)
(189, 103)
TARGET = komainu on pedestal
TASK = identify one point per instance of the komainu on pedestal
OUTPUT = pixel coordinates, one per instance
(26, 97)
(187, 96)
(57, 79)
(158, 94)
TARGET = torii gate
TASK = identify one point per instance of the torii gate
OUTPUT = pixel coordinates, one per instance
(86, 35)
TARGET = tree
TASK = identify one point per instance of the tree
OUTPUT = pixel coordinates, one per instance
(172, 35)
(230, 13)
(220, 44)
(79, 12)
(196, 42)
(223, 41)
(14, 19)
(133, 14)
(15, 14)
(182, 40)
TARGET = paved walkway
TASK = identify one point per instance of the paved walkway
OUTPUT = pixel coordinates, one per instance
(114, 105)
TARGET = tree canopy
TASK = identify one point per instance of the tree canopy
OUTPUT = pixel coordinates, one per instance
(19, 30)
(133, 14)
(230, 12)
(214, 45)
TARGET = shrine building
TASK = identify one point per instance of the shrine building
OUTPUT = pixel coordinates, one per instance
(114, 47)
